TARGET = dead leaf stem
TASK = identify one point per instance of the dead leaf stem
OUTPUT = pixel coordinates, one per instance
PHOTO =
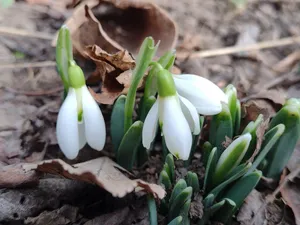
(237, 49)
(25, 33)
(28, 65)
(54, 91)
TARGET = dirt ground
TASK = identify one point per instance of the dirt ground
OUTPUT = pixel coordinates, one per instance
(30, 98)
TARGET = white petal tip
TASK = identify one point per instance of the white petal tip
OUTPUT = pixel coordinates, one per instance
(183, 157)
(97, 148)
(70, 154)
(247, 137)
(95, 129)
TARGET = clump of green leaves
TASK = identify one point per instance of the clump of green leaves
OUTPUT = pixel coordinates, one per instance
(231, 173)
(232, 169)
(278, 157)
(176, 205)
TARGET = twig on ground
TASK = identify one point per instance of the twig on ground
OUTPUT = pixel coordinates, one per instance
(25, 33)
(238, 49)
(27, 65)
(274, 1)
(278, 80)
(271, 198)
(54, 91)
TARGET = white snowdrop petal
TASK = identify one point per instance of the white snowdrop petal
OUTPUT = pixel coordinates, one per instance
(150, 126)
(175, 127)
(67, 126)
(95, 130)
(190, 114)
(205, 85)
(202, 93)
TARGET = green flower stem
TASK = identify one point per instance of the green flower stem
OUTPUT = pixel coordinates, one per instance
(64, 55)
(152, 210)
(166, 61)
(145, 56)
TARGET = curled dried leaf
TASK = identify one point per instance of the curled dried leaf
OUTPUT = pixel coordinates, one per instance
(101, 171)
(260, 132)
(114, 70)
(227, 142)
(253, 108)
(118, 25)
(276, 97)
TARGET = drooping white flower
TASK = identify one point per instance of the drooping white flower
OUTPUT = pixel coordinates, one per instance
(177, 117)
(202, 93)
(80, 120)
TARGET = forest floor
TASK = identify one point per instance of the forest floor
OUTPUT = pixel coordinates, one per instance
(31, 90)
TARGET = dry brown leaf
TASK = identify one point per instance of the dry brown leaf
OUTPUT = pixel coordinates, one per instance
(115, 218)
(14, 176)
(253, 108)
(290, 193)
(294, 161)
(114, 70)
(67, 214)
(117, 25)
(287, 63)
(249, 210)
(260, 132)
(227, 142)
(21, 203)
(101, 171)
(275, 96)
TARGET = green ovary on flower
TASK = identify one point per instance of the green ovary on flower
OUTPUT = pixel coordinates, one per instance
(165, 83)
(76, 76)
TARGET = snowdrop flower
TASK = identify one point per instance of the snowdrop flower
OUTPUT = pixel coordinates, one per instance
(177, 118)
(79, 119)
(202, 93)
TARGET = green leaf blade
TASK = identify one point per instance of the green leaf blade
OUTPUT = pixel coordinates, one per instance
(231, 157)
(117, 122)
(129, 145)
(220, 128)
